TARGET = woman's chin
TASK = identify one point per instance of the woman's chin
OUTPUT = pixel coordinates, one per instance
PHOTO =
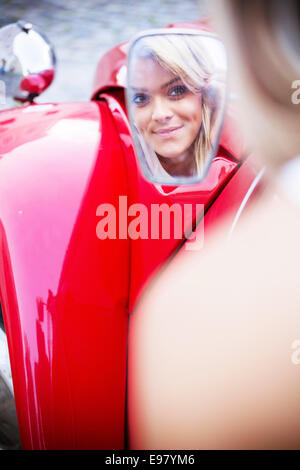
(176, 156)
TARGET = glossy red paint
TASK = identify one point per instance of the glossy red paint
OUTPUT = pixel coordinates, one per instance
(64, 293)
(34, 83)
(111, 70)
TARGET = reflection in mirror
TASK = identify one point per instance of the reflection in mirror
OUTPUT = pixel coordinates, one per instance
(176, 95)
(27, 62)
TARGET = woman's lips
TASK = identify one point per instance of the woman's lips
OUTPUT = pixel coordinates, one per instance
(167, 131)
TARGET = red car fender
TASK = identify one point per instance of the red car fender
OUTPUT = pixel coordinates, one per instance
(64, 292)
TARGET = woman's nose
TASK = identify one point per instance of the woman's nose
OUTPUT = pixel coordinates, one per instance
(161, 111)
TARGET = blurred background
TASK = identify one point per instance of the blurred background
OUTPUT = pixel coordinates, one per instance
(81, 31)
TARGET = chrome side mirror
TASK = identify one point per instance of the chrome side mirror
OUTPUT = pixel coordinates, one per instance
(27, 62)
(176, 97)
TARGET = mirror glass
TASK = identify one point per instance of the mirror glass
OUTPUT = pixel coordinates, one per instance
(176, 96)
(27, 61)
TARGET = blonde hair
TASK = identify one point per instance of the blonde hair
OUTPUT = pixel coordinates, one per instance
(185, 56)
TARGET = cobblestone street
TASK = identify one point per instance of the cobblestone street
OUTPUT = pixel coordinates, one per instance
(82, 31)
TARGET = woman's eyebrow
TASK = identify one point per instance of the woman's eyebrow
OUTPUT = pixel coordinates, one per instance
(176, 79)
(139, 89)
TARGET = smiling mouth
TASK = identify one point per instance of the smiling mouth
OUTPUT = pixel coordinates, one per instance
(167, 131)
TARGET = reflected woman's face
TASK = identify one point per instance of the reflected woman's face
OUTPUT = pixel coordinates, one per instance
(165, 111)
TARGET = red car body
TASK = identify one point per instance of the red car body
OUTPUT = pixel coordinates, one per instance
(66, 295)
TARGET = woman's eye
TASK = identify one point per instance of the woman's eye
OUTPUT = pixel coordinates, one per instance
(140, 99)
(177, 91)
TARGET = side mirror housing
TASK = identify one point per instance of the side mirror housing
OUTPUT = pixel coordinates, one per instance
(176, 98)
(27, 62)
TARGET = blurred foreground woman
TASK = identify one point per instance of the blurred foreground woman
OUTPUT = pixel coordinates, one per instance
(214, 346)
